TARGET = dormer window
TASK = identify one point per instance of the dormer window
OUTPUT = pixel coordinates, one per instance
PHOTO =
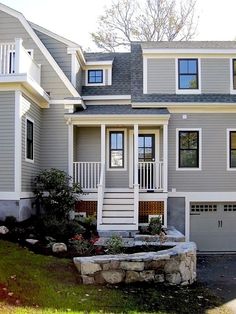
(188, 73)
(95, 76)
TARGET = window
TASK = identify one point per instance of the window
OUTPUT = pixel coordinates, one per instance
(188, 73)
(188, 149)
(232, 149)
(29, 140)
(95, 76)
(234, 73)
(116, 146)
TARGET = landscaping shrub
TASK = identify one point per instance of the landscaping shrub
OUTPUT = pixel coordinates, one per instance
(155, 225)
(80, 246)
(115, 245)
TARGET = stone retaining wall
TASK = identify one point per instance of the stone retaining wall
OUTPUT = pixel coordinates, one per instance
(174, 266)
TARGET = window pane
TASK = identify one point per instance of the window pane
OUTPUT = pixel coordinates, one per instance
(188, 81)
(233, 159)
(234, 78)
(113, 141)
(148, 154)
(141, 141)
(233, 140)
(188, 159)
(119, 140)
(148, 141)
(141, 154)
(183, 140)
(183, 66)
(116, 158)
(193, 140)
(95, 76)
(192, 66)
(234, 66)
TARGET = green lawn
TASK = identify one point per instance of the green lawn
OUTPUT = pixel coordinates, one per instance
(34, 284)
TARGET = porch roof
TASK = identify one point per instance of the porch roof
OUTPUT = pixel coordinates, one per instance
(120, 110)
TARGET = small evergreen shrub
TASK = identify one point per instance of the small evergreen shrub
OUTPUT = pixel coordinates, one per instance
(115, 245)
(155, 226)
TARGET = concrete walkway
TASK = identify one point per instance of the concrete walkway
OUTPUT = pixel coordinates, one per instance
(219, 273)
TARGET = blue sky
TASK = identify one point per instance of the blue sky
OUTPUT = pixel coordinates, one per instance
(75, 19)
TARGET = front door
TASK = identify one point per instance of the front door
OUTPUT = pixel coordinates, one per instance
(146, 158)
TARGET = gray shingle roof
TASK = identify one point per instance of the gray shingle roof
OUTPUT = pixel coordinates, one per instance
(119, 110)
(98, 56)
(189, 45)
(120, 76)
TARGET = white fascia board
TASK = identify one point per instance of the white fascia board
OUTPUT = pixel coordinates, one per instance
(109, 63)
(147, 51)
(77, 50)
(107, 97)
(65, 102)
(181, 104)
(42, 48)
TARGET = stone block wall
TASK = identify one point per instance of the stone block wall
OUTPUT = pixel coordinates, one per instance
(173, 266)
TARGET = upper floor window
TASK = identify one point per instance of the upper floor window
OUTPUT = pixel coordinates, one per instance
(188, 73)
(29, 140)
(232, 149)
(95, 76)
(188, 144)
(234, 73)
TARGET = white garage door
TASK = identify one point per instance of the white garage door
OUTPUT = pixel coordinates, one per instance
(213, 226)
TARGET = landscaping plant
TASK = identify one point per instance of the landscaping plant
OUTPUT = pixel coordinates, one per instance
(155, 226)
(115, 244)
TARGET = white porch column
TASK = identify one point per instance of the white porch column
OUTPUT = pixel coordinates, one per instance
(18, 59)
(103, 144)
(70, 148)
(136, 185)
(165, 157)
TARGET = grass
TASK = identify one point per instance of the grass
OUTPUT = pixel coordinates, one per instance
(33, 284)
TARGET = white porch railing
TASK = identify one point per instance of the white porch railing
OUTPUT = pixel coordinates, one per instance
(101, 188)
(87, 174)
(150, 175)
(15, 59)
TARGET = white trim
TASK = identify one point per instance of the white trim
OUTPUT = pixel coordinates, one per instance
(199, 150)
(165, 157)
(187, 219)
(9, 196)
(145, 74)
(95, 84)
(18, 135)
(66, 102)
(99, 63)
(187, 51)
(108, 149)
(232, 90)
(43, 49)
(27, 118)
(156, 132)
(70, 149)
(27, 195)
(187, 91)
(74, 68)
(228, 149)
(108, 97)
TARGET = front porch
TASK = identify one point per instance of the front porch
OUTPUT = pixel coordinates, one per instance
(121, 166)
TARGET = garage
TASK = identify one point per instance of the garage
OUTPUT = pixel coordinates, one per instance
(213, 226)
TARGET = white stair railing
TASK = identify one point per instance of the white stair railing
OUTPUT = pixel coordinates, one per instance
(150, 175)
(101, 188)
(87, 174)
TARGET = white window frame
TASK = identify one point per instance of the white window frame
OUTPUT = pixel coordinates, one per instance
(232, 90)
(187, 91)
(27, 118)
(228, 148)
(95, 84)
(199, 150)
(108, 149)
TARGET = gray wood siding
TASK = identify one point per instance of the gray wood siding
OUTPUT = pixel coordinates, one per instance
(54, 139)
(161, 76)
(59, 52)
(7, 141)
(215, 76)
(29, 169)
(11, 28)
(213, 176)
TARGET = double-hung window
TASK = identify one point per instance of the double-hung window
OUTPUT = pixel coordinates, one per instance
(188, 149)
(116, 149)
(232, 149)
(188, 74)
(95, 76)
(29, 140)
(234, 74)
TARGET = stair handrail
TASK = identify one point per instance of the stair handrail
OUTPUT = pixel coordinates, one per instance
(101, 188)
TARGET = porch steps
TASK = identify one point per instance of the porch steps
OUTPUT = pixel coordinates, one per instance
(118, 211)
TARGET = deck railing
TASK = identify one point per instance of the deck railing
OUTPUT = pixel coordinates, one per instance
(15, 59)
(87, 174)
(150, 175)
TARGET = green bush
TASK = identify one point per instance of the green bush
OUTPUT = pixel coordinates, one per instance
(155, 226)
(80, 246)
(55, 194)
(115, 245)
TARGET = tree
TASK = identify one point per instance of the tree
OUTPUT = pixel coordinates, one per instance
(148, 20)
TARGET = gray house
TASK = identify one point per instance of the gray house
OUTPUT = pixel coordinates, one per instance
(146, 133)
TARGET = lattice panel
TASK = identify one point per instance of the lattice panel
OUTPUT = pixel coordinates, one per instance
(88, 207)
(150, 208)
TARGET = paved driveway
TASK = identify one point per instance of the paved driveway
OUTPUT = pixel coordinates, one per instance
(219, 273)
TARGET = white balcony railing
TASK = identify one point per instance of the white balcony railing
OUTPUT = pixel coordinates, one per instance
(87, 174)
(15, 59)
(150, 175)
